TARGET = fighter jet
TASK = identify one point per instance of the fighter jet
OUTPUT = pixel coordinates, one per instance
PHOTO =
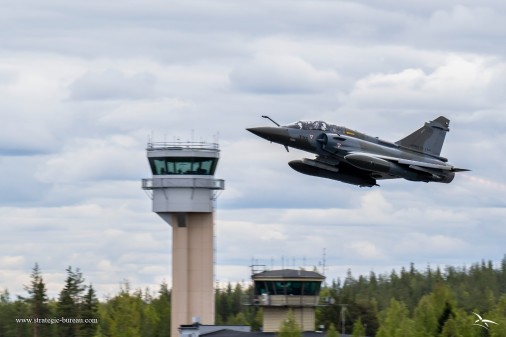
(355, 158)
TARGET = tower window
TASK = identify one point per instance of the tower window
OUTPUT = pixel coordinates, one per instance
(298, 288)
(185, 165)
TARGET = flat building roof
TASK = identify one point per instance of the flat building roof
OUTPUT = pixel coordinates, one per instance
(287, 274)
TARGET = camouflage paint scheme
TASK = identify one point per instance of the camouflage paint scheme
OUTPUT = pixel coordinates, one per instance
(353, 157)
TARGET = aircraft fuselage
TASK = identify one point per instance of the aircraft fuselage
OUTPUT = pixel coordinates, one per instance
(354, 157)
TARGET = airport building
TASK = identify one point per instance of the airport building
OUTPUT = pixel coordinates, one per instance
(183, 190)
(279, 291)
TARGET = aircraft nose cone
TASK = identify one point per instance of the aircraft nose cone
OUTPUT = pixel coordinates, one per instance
(273, 134)
(261, 131)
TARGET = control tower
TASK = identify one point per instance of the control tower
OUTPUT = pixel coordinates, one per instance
(183, 189)
(278, 291)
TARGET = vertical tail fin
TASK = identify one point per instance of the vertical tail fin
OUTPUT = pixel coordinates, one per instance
(429, 138)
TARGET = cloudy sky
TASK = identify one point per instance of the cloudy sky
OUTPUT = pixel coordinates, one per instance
(85, 84)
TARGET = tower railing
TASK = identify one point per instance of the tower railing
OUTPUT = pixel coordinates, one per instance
(183, 145)
(153, 183)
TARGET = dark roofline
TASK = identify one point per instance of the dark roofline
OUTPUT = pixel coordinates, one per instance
(288, 274)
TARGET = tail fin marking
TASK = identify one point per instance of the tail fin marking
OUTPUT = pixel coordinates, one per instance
(429, 138)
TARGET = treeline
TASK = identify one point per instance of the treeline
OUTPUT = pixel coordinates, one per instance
(233, 307)
(78, 313)
(432, 302)
(37, 315)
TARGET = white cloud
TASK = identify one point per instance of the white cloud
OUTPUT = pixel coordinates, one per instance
(366, 250)
(463, 21)
(431, 246)
(460, 83)
(11, 261)
(113, 85)
(92, 159)
(32, 116)
(282, 74)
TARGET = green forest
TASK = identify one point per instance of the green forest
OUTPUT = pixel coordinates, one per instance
(409, 302)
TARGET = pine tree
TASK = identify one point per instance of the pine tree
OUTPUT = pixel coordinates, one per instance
(38, 301)
(222, 310)
(122, 315)
(70, 303)
(396, 322)
(162, 307)
(358, 329)
(238, 319)
(149, 320)
(89, 312)
(257, 323)
(4, 313)
(235, 300)
(332, 332)
(425, 318)
(289, 328)
(498, 315)
(20, 308)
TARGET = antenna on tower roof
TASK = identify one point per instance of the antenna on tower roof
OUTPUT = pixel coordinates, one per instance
(324, 261)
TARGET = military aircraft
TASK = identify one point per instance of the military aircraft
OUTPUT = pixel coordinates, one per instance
(356, 158)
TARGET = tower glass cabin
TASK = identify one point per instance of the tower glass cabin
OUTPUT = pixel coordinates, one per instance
(278, 291)
(183, 191)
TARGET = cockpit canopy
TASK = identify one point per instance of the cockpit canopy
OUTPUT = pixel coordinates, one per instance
(314, 125)
(308, 125)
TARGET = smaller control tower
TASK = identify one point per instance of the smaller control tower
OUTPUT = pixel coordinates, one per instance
(183, 188)
(278, 291)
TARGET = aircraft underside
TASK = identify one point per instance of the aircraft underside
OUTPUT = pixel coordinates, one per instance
(342, 171)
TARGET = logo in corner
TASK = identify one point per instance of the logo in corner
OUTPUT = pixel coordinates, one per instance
(483, 322)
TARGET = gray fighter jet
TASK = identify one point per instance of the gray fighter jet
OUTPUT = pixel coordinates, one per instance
(356, 158)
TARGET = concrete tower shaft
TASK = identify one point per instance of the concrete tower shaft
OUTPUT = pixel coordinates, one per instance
(183, 191)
